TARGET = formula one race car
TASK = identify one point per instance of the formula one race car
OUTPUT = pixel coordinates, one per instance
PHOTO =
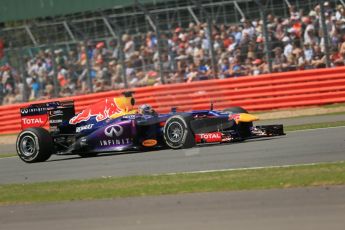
(113, 125)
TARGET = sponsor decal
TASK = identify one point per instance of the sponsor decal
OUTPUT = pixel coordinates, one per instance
(101, 111)
(109, 107)
(32, 110)
(114, 136)
(83, 142)
(54, 129)
(129, 117)
(234, 116)
(84, 127)
(112, 142)
(24, 111)
(149, 142)
(113, 130)
(30, 121)
(208, 137)
(55, 113)
(55, 121)
(34, 121)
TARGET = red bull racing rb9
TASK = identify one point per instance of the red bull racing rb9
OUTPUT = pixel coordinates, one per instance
(113, 125)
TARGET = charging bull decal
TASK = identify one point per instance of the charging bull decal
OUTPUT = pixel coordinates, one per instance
(109, 107)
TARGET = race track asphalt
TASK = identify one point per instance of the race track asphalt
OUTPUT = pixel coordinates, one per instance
(322, 145)
(302, 208)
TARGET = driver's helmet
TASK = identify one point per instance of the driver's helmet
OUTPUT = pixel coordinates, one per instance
(145, 109)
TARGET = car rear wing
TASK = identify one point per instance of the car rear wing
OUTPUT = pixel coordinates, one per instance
(47, 115)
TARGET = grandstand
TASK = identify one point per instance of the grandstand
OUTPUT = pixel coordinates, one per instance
(63, 48)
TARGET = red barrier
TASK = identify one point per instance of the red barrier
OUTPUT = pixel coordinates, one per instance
(264, 92)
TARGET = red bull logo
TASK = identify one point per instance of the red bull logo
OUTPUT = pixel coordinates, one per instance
(102, 110)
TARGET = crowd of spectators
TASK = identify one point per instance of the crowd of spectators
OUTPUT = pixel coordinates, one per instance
(296, 43)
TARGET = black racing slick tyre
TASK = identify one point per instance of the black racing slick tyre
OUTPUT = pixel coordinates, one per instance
(34, 145)
(177, 133)
(236, 109)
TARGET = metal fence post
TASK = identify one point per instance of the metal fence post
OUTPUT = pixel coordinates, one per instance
(212, 53)
(118, 34)
(85, 39)
(267, 43)
(209, 37)
(122, 59)
(159, 50)
(324, 33)
(23, 72)
(89, 69)
(55, 82)
(153, 22)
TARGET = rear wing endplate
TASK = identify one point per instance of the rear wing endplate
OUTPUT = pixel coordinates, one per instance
(46, 115)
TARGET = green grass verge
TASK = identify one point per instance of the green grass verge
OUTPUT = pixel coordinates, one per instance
(336, 105)
(330, 106)
(105, 188)
(4, 155)
(314, 126)
(8, 134)
(301, 116)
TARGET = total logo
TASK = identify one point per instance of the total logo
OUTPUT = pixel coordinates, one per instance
(208, 137)
(30, 121)
(211, 135)
(113, 131)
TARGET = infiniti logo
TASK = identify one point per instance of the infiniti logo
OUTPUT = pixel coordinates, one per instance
(24, 111)
(112, 130)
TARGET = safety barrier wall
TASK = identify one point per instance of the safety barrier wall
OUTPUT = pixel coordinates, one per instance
(264, 92)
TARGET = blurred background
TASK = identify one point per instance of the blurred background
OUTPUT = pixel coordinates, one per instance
(60, 48)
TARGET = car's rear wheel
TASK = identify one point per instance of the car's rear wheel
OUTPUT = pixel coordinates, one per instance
(34, 145)
(177, 133)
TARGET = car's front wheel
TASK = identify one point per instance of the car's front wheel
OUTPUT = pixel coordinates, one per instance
(34, 145)
(177, 133)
